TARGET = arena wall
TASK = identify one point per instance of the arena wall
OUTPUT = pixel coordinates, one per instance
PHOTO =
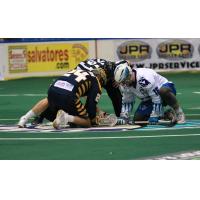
(49, 57)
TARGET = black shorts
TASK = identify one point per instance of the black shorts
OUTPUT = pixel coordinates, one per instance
(67, 101)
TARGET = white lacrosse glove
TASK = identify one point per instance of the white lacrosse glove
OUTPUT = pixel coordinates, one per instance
(122, 121)
(124, 115)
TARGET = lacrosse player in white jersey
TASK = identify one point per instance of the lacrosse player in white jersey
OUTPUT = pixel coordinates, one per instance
(154, 90)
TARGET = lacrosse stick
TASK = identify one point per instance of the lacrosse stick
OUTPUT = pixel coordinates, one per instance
(160, 122)
(109, 120)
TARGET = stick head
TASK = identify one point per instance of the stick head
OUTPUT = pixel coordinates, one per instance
(110, 120)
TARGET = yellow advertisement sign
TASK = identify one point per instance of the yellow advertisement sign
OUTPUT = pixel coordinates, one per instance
(46, 57)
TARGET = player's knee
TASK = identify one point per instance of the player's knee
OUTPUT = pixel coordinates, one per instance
(138, 117)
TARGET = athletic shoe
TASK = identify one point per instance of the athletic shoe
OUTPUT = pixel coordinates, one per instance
(61, 120)
(180, 117)
(37, 120)
(22, 122)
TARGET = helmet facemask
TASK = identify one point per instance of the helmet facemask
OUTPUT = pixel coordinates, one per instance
(127, 81)
(100, 73)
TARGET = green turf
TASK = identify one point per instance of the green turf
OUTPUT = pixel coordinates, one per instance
(14, 106)
(136, 148)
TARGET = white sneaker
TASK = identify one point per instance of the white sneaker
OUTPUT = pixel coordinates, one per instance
(180, 117)
(61, 120)
(22, 122)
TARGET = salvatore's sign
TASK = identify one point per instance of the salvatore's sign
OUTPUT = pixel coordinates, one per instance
(46, 57)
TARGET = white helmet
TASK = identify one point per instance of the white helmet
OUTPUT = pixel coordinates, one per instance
(122, 72)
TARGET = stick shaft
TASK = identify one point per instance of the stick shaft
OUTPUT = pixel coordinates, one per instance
(160, 122)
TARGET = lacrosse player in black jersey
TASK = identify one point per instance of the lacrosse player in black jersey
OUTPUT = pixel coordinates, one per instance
(64, 99)
(110, 86)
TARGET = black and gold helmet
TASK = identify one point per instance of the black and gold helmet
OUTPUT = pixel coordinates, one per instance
(99, 72)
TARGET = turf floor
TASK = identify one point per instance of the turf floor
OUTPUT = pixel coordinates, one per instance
(18, 96)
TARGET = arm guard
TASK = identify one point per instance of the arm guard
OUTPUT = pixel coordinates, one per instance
(128, 100)
(157, 110)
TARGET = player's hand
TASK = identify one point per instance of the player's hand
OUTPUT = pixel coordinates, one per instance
(124, 115)
(95, 121)
(153, 120)
(102, 114)
(122, 121)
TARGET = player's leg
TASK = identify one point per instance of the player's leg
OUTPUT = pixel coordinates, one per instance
(63, 118)
(143, 112)
(115, 96)
(71, 111)
(168, 96)
(40, 118)
(49, 114)
(36, 110)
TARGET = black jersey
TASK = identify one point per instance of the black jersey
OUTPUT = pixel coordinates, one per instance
(109, 68)
(82, 89)
(92, 64)
(79, 83)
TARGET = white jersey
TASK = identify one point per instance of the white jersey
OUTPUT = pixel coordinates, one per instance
(146, 87)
